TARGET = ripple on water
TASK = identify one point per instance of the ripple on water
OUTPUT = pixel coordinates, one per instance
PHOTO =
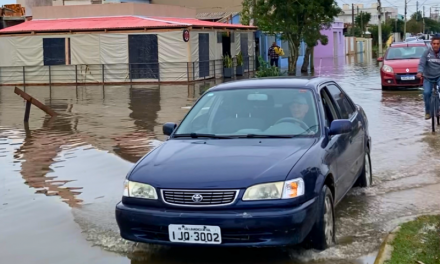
(82, 158)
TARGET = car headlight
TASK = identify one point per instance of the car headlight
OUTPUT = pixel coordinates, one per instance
(275, 190)
(139, 190)
(387, 68)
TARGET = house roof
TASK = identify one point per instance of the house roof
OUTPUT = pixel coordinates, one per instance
(215, 15)
(113, 23)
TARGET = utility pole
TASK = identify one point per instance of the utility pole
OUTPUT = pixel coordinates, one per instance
(417, 13)
(417, 10)
(423, 20)
(352, 20)
(404, 26)
(379, 9)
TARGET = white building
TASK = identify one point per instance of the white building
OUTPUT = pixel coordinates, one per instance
(387, 12)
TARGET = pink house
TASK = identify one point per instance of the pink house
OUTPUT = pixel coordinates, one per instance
(336, 42)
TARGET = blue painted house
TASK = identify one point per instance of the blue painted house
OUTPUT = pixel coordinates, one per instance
(264, 41)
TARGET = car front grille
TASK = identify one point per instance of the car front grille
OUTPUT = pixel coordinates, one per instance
(199, 197)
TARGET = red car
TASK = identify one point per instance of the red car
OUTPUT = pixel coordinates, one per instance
(400, 63)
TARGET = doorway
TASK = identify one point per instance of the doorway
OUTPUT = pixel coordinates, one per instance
(226, 44)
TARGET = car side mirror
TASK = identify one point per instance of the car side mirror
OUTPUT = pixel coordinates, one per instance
(340, 126)
(380, 59)
(168, 128)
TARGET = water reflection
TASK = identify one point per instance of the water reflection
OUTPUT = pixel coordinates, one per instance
(83, 155)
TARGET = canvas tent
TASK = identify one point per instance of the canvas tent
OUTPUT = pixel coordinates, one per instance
(117, 49)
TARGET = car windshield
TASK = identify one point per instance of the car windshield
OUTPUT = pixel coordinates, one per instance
(404, 53)
(252, 113)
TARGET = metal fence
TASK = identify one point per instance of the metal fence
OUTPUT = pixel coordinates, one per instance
(161, 72)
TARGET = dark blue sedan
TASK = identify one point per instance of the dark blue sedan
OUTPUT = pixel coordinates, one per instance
(254, 163)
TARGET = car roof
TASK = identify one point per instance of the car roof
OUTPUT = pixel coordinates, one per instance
(408, 44)
(311, 83)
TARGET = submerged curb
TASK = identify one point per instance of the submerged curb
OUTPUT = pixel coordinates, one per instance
(386, 248)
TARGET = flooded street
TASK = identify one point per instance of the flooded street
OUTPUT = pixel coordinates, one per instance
(60, 179)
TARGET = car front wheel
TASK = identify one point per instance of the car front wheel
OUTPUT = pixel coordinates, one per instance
(366, 177)
(322, 235)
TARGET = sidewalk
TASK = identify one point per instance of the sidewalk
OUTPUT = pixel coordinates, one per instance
(417, 241)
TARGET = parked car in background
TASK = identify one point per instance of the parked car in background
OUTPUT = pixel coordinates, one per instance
(428, 43)
(259, 162)
(409, 39)
(400, 63)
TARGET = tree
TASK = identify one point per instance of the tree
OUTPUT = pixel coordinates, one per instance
(362, 20)
(295, 19)
(397, 25)
(386, 31)
(432, 25)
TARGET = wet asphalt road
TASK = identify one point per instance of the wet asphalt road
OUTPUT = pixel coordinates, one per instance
(60, 179)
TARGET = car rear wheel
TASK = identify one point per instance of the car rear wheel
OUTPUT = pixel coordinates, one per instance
(322, 235)
(366, 177)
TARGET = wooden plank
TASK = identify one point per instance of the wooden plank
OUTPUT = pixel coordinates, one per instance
(34, 101)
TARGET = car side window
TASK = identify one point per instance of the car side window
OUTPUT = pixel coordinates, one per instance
(330, 112)
(345, 107)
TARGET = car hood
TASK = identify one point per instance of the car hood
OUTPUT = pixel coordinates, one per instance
(220, 163)
(402, 65)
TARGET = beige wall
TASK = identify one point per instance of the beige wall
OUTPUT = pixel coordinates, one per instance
(205, 6)
(50, 12)
(30, 4)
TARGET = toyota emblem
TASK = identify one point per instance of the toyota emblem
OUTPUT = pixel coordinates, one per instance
(197, 198)
(407, 70)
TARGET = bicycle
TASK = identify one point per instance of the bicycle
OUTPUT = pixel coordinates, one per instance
(435, 103)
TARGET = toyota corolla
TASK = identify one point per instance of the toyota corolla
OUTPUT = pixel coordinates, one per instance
(254, 163)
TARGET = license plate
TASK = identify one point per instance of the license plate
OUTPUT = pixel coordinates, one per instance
(408, 78)
(196, 234)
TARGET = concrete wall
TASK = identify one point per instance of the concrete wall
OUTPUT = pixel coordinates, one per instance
(137, 9)
(30, 4)
(204, 6)
(336, 42)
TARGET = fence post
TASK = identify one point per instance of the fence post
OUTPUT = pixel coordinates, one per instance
(50, 77)
(76, 74)
(194, 72)
(215, 74)
(27, 111)
(24, 78)
(103, 77)
(187, 70)
(158, 72)
(130, 73)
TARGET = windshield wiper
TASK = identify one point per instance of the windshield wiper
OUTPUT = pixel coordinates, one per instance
(197, 135)
(268, 136)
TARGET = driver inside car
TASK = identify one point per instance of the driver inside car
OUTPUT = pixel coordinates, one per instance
(299, 107)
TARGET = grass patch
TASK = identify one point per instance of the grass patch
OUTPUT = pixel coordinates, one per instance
(418, 240)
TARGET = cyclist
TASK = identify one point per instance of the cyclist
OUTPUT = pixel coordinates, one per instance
(429, 68)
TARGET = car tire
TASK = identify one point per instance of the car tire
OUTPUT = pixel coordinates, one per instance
(385, 87)
(366, 177)
(322, 235)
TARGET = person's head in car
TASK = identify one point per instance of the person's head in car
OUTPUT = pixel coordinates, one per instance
(299, 107)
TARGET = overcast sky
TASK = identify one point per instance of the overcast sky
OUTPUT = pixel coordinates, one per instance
(400, 4)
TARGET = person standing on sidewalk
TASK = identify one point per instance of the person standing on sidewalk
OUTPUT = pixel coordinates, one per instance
(273, 54)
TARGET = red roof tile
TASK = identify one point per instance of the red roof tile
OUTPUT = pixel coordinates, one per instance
(120, 22)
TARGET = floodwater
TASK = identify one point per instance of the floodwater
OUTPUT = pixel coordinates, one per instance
(60, 179)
